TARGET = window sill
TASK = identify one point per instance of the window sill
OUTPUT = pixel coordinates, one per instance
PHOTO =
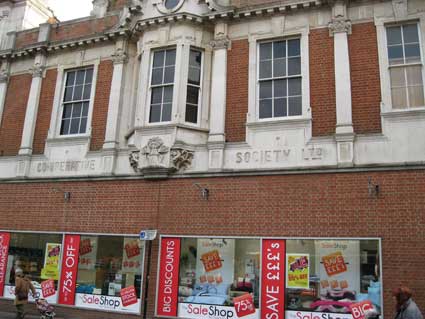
(149, 129)
(412, 113)
(289, 123)
(69, 140)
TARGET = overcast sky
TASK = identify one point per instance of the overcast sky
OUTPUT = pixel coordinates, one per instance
(70, 9)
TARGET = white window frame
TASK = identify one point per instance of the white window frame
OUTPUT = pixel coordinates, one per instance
(253, 81)
(198, 116)
(178, 111)
(57, 111)
(384, 67)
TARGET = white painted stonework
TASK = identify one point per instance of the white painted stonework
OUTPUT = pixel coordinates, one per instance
(276, 144)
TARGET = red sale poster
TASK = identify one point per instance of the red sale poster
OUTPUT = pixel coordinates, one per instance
(128, 296)
(168, 283)
(358, 310)
(244, 305)
(47, 288)
(4, 254)
(273, 260)
(68, 277)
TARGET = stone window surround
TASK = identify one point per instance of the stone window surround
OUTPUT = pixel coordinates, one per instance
(57, 110)
(253, 86)
(183, 47)
(384, 70)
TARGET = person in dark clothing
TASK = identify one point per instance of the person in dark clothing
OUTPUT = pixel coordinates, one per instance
(406, 308)
(23, 286)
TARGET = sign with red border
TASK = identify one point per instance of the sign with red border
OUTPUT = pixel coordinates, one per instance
(128, 296)
(273, 260)
(211, 260)
(168, 284)
(48, 288)
(68, 277)
(334, 263)
(4, 255)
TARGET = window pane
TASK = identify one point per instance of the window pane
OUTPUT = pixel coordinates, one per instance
(170, 57)
(70, 78)
(89, 76)
(65, 127)
(157, 76)
(280, 108)
(416, 96)
(294, 86)
(67, 111)
(412, 52)
(192, 95)
(166, 112)
(395, 54)
(410, 33)
(294, 66)
(265, 51)
(397, 77)
(279, 49)
(393, 35)
(280, 88)
(399, 98)
(76, 111)
(294, 47)
(265, 69)
(156, 96)
(83, 125)
(279, 67)
(155, 115)
(191, 113)
(85, 108)
(195, 58)
(68, 94)
(414, 75)
(169, 74)
(158, 59)
(266, 108)
(168, 94)
(78, 92)
(87, 90)
(294, 106)
(80, 76)
(266, 89)
(75, 126)
(194, 76)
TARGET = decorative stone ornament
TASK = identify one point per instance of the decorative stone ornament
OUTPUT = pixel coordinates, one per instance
(168, 6)
(155, 160)
(339, 25)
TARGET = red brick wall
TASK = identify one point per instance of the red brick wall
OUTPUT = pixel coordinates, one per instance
(322, 82)
(81, 29)
(13, 119)
(44, 111)
(26, 38)
(324, 205)
(237, 91)
(365, 79)
(101, 102)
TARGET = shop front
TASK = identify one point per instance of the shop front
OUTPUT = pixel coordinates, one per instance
(90, 271)
(268, 278)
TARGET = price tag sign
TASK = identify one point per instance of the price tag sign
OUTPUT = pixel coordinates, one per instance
(128, 296)
(358, 310)
(211, 260)
(244, 305)
(334, 263)
(47, 288)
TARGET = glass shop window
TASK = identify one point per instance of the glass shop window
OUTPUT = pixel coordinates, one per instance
(38, 256)
(108, 264)
(329, 275)
(215, 271)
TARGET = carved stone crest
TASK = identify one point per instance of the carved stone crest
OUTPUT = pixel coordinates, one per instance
(155, 160)
(339, 25)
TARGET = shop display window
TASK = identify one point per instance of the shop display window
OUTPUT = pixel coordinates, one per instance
(216, 271)
(330, 275)
(107, 265)
(37, 255)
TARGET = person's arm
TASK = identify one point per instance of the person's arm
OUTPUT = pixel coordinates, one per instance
(33, 291)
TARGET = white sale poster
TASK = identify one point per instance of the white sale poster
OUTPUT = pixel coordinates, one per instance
(132, 258)
(338, 262)
(88, 252)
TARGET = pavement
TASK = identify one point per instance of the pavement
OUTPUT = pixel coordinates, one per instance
(12, 315)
